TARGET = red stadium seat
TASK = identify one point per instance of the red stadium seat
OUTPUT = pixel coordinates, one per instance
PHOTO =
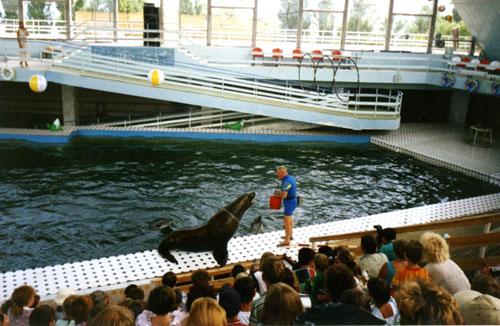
(317, 54)
(277, 53)
(297, 54)
(257, 53)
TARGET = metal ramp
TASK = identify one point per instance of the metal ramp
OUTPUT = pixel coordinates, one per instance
(200, 119)
(378, 110)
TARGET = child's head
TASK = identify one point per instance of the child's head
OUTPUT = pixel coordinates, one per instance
(414, 251)
(379, 290)
(321, 262)
(399, 248)
(356, 297)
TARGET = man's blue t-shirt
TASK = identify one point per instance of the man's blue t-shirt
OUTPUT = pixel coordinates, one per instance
(288, 185)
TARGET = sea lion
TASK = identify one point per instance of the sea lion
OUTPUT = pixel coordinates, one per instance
(159, 224)
(213, 235)
(257, 225)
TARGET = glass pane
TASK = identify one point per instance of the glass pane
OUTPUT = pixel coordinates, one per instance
(451, 30)
(276, 24)
(320, 30)
(193, 18)
(288, 14)
(410, 33)
(232, 27)
(10, 9)
(365, 21)
(337, 5)
(361, 15)
(233, 3)
(413, 6)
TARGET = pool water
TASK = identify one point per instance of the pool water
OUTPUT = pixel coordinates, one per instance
(95, 197)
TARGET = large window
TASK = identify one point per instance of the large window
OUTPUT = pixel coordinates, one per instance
(322, 23)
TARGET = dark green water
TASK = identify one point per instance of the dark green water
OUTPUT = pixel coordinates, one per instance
(94, 197)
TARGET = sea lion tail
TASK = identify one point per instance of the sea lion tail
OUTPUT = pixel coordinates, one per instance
(164, 251)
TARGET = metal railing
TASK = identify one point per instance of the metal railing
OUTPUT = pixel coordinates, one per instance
(284, 94)
(38, 28)
(104, 31)
(200, 119)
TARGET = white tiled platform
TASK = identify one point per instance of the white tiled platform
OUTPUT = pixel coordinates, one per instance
(114, 272)
(444, 146)
(437, 144)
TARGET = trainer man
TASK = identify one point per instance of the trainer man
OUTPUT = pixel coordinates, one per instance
(288, 192)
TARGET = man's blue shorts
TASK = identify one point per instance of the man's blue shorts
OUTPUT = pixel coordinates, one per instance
(290, 206)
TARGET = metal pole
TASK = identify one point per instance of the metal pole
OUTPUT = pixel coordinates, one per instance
(433, 26)
(299, 24)
(20, 16)
(69, 19)
(209, 22)
(254, 24)
(344, 26)
(388, 29)
(115, 21)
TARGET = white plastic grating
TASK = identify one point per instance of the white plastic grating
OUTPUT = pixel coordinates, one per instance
(444, 146)
(139, 267)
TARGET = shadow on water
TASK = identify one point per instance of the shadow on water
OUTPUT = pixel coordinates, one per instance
(95, 196)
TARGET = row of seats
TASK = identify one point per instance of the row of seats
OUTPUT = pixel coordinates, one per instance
(297, 54)
(483, 64)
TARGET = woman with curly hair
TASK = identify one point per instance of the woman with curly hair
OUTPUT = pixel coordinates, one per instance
(22, 299)
(439, 265)
(427, 303)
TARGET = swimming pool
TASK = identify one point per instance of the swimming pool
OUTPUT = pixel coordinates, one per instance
(94, 197)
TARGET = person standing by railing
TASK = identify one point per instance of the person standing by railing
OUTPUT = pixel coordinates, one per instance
(22, 40)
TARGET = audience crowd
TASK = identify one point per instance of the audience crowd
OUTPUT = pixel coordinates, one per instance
(393, 282)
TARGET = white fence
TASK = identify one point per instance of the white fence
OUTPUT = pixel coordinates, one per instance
(104, 31)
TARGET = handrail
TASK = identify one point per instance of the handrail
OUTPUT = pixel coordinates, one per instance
(222, 86)
(464, 221)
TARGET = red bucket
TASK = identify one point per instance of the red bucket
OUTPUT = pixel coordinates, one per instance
(275, 202)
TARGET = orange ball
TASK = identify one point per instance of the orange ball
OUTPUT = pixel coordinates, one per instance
(448, 18)
(441, 8)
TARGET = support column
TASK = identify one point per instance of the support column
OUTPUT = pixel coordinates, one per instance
(388, 29)
(433, 26)
(209, 22)
(20, 7)
(299, 24)
(69, 104)
(458, 108)
(254, 24)
(344, 25)
(68, 13)
(115, 21)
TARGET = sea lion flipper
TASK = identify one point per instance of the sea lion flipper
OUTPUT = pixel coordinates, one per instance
(164, 251)
(220, 255)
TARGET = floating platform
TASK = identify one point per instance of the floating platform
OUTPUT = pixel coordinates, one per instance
(437, 144)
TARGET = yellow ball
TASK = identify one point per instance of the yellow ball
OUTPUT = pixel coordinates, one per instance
(156, 77)
(38, 83)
